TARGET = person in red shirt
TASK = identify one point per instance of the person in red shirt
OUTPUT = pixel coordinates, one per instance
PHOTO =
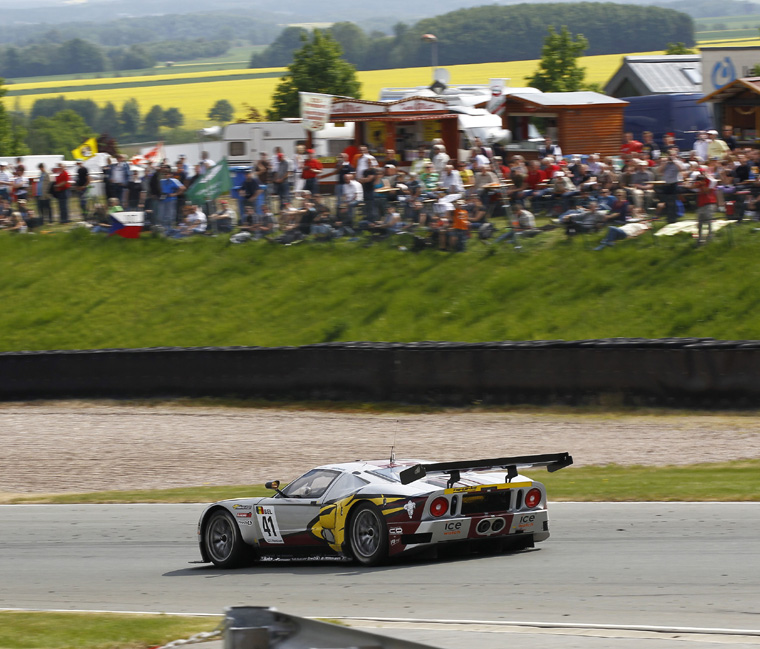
(630, 146)
(61, 186)
(310, 173)
(704, 185)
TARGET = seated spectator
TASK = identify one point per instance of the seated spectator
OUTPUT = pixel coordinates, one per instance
(16, 223)
(620, 209)
(223, 219)
(523, 224)
(195, 222)
(642, 188)
(583, 220)
(451, 180)
(460, 228)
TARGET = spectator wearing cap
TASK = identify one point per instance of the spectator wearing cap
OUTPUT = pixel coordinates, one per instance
(717, 148)
(440, 158)
(310, 172)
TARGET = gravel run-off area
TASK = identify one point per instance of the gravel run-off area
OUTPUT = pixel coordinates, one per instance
(80, 447)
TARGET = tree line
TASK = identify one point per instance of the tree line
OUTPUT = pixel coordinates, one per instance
(78, 56)
(496, 33)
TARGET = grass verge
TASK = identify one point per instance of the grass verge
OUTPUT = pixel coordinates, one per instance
(37, 630)
(135, 294)
(719, 482)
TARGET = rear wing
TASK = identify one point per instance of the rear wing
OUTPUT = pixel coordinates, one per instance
(552, 461)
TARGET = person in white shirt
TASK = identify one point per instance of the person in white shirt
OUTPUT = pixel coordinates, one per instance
(353, 194)
(206, 163)
(451, 180)
(195, 222)
(364, 161)
(700, 146)
(440, 158)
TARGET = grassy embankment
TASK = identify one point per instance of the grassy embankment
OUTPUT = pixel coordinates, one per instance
(81, 291)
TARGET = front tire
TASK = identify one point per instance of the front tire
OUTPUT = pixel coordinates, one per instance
(223, 541)
(369, 535)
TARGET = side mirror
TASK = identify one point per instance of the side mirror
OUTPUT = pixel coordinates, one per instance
(274, 484)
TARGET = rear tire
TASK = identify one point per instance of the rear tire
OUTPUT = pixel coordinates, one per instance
(223, 541)
(369, 535)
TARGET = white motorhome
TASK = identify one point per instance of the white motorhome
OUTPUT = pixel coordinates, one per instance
(243, 143)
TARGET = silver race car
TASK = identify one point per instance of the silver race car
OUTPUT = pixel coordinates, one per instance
(376, 510)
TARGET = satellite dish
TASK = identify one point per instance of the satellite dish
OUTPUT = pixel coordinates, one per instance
(442, 75)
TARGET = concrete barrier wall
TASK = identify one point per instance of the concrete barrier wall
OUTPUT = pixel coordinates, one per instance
(693, 372)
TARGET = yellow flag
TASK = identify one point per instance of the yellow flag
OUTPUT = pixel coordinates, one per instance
(86, 150)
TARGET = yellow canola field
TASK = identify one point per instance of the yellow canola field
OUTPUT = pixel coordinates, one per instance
(195, 99)
(138, 79)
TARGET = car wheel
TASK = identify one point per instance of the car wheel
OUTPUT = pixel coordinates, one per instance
(224, 544)
(369, 535)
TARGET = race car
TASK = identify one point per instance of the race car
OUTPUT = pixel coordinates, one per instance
(377, 510)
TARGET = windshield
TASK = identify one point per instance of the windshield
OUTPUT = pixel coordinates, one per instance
(311, 485)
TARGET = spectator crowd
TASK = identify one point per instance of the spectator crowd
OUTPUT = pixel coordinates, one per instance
(440, 201)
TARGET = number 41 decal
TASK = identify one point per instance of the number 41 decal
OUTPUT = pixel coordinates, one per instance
(268, 524)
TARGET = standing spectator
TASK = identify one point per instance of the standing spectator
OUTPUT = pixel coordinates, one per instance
(20, 185)
(264, 176)
(61, 186)
(650, 146)
(716, 148)
(630, 146)
(171, 188)
(352, 195)
(440, 158)
(42, 193)
(343, 169)
(134, 191)
(6, 182)
(460, 228)
(310, 172)
(700, 146)
(704, 185)
(19, 166)
(206, 163)
(729, 138)
(81, 184)
(549, 149)
(280, 178)
(120, 175)
(372, 177)
(363, 161)
(670, 169)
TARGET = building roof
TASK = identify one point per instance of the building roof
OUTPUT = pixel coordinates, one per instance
(556, 99)
(736, 87)
(651, 75)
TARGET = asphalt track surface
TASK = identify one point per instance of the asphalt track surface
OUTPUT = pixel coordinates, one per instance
(612, 575)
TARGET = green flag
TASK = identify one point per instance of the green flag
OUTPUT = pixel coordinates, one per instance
(214, 182)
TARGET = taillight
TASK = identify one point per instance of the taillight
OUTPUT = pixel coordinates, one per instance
(439, 506)
(532, 498)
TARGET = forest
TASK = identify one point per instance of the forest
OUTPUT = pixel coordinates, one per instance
(497, 33)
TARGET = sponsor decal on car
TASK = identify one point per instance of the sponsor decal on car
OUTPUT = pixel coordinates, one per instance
(244, 514)
(395, 530)
(246, 522)
(409, 507)
(242, 506)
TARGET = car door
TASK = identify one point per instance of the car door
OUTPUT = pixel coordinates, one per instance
(284, 520)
